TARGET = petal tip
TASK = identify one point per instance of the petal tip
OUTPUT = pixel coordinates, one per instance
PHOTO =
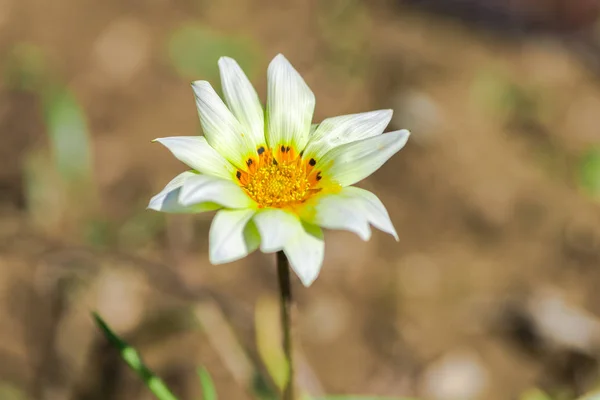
(227, 63)
(224, 258)
(394, 234)
(215, 261)
(152, 205)
(279, 61)
(198, 86)
(366, 236)
(224, 59)
(307, 282)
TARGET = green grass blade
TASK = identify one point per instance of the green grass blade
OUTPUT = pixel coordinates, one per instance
(208, 387)
(133, 359)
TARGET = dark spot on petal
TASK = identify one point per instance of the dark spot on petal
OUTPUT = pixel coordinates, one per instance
(275, 162)
(319, 176)
(282, 148)
(238, 174)
(301, 153)
(249, 162)
(287, 149)
(312, 162)
(261, 150)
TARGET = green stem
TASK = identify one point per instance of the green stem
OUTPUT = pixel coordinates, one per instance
(285, 290)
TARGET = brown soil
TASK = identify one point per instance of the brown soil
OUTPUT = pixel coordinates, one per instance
(484, 197)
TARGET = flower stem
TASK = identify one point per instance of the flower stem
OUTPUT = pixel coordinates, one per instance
(285, 299)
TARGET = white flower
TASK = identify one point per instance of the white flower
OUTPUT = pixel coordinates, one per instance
(275, 179)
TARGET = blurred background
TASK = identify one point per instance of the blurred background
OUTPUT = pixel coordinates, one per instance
(492, 292)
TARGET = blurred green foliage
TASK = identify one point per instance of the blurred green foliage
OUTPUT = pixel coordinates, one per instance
(10, 392)
(59, 184)
(534, 394)
(591, 396)
(69, 135)
(140, 228)
(589, 172)
(343, 27)
(507, 99)
(194, 50)
(268, 331)
(25, 67)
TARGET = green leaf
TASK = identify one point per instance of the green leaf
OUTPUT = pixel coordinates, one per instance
(208, 387)
(133, 359)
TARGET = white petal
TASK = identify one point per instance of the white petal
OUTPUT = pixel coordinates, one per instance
(242, 100)
(276, 228)
(195, 152)
(290, 106)
(302, 243)
(206, 188)
(337, 131)
(338, 211)
(305, 251)
(353, 162)
(228, 240)
(221, 129)
(372, 208)
(167, 199)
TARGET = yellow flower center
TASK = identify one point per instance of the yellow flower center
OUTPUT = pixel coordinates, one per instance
(277, 185)
(282, 181)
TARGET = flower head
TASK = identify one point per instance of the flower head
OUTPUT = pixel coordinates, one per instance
(275, 178)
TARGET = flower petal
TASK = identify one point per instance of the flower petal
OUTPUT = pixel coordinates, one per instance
(353, 162)
(195, 152)
(305, 251)
(372, 209)
(301, 242)
(276, 228)
(336, 131)
(206, 188)
(221, 129)
(290, 106)
(242, 100)
(167, 199)
(337, 211)
(229, 239)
